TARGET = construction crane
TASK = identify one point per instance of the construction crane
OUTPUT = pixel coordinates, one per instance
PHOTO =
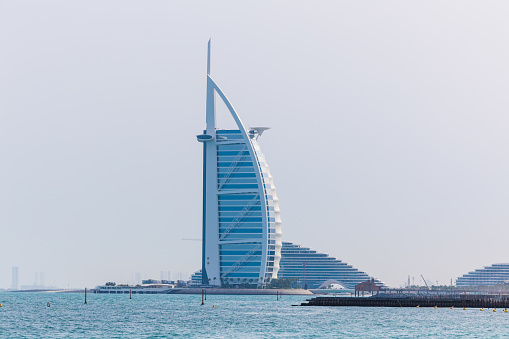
(424, 281)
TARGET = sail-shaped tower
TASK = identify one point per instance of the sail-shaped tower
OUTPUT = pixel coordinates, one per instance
(242, 239)
(241, 222)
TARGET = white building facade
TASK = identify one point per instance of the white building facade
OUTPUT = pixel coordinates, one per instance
(241, 218)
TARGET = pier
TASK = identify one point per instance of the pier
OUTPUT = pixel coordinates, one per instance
(459, 301)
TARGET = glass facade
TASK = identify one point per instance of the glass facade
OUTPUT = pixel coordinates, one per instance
(246, 215)
(489, 275)
(241, 223)
(311, 269)
(242, 238)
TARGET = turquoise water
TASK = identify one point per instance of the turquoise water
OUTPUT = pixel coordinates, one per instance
(25, 315)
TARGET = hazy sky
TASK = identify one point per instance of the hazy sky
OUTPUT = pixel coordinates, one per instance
(388, 146)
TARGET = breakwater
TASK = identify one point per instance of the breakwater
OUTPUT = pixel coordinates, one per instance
(468, 301)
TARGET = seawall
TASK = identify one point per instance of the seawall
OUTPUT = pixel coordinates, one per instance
(243, 291)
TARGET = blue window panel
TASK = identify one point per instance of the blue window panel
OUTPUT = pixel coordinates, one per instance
(243, 271)
(231, 153)
(238, 164)
(228, 131)
(229, 134)
(239, 208)
(238, 175)
(232, 203)
(240, 155)
(239, 180)
(229, 186)
(225, 225)
(254, 209)
(225, 252)
(241, 276)
(272, 219)
(250, 213)
(236, 258)
(242, 230)
(241, 268)
(234, 159)
(237, 196)
(244, 236)
(226, 264)
(234, 254)
(238, 202)
(231, 147)
(223, 170)
(245, 218)
(247, 246)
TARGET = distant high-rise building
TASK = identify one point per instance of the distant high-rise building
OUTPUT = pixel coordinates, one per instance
(15, 281)
(42, 279)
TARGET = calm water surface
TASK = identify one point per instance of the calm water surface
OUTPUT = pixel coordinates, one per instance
(25, 315)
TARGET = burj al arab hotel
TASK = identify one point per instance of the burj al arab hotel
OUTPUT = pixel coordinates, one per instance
(242, 236)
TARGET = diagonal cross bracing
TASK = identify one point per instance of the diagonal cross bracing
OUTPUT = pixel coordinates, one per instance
(237, 221)
(245, 259)
(233, 166)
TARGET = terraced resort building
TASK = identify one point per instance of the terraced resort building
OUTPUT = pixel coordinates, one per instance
(486, 276)
(241, 235)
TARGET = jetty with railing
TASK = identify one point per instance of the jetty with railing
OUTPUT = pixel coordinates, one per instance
(439, 300)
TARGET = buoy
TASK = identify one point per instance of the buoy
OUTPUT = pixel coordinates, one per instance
(482, 309)
(452, 307)
(1, 305)
(435, 307)
(417, 306)
(506, 310)
(48, 304)
(213, 306)
(464, 308)
(494, 310)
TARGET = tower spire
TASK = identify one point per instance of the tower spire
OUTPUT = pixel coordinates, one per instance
(211, 105)
(208, 58)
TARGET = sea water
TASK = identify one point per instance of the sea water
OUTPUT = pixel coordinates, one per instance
(26, 315)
